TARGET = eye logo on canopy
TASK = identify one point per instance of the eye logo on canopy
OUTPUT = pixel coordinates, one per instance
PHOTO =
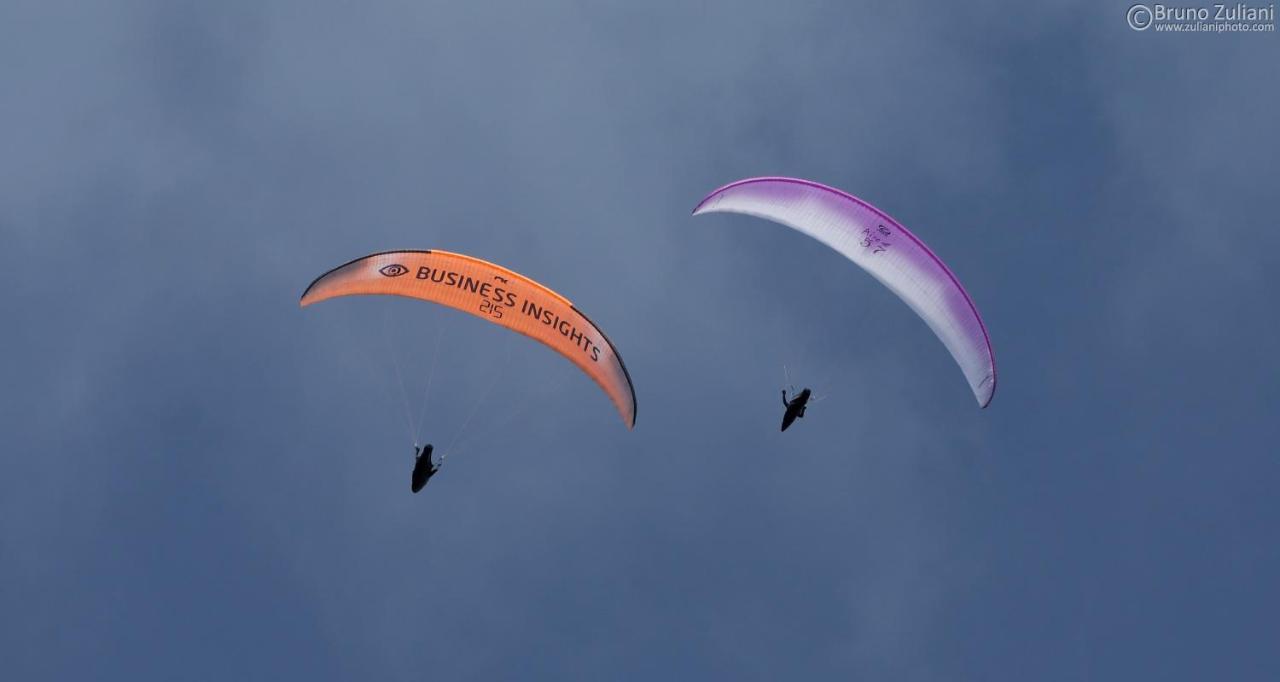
(393, 270)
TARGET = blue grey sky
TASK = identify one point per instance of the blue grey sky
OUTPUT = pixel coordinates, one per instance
(204, 482)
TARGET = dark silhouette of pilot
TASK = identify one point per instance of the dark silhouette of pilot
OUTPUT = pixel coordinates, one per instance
(423, 469)
(795, 406)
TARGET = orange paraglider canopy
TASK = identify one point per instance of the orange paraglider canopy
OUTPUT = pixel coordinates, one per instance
(492, 293)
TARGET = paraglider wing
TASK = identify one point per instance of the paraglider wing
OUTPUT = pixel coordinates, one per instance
(882, 247)
(492, 293)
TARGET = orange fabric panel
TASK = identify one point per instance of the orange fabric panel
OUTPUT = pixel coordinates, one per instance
(492, 293)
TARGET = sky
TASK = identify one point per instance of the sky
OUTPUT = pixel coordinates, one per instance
(203, 481)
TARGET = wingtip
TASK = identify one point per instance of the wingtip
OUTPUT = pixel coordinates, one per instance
(698, 210)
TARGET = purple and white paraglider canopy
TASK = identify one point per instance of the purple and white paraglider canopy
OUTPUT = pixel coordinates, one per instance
(883, 247)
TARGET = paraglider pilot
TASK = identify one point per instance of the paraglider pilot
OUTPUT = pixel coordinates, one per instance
(795, 406)
(423, 469)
